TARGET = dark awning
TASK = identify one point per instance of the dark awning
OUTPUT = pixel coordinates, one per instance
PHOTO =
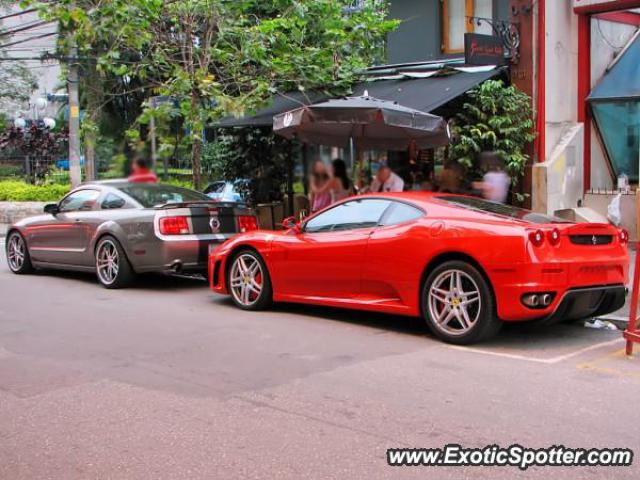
(424, 94)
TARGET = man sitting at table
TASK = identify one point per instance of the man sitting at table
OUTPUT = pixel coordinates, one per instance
(386, 181)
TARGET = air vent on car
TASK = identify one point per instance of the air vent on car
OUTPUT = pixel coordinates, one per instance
(591, 239)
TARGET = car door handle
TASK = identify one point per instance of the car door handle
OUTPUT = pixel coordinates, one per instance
(78, 220)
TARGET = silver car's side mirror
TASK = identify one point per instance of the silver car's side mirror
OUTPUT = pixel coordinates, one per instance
(52, 208)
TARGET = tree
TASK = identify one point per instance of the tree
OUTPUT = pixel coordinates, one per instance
(222, 57)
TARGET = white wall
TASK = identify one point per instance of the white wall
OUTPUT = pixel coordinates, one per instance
(561, 83)
(561, 34)
(558, 181)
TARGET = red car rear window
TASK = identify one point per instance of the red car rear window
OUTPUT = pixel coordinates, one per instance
(494, 208)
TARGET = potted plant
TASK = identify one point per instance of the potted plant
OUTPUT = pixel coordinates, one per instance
(496, 121)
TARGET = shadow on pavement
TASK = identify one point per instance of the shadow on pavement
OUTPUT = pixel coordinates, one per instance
(514, 338)
(147, 281)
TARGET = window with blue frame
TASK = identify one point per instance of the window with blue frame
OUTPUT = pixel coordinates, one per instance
(619, 125)
(615, 104)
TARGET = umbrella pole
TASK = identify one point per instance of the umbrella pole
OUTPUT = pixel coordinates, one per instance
(358, 169)
(290, 203)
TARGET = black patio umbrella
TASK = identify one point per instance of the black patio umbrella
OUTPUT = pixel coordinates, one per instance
(371, 123)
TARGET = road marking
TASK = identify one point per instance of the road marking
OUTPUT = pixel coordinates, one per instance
(596, 365)
(547, 361)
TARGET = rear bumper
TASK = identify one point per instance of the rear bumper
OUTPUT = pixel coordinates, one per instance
(579, 303)
(178, 255)
(568, 282)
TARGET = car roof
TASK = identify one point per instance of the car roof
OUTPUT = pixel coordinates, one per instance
(419, 198)
(436, 204)
(123, 182)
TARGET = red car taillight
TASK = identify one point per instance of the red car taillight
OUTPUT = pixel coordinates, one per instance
(174, 226)
(554, 236)
(246, 223)
(537, 237)
(623, 236)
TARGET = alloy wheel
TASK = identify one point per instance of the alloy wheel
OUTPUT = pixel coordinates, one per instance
(246, 279)
(454, 302)
(16, 252)
(107, 262)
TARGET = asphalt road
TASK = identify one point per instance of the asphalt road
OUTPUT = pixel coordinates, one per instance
(166, 380)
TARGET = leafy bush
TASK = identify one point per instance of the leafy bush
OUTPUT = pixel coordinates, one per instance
(10, 171)
(495, 118)
(178, 182)
(16, 191)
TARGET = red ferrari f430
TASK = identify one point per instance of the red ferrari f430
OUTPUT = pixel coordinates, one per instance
(463, 264)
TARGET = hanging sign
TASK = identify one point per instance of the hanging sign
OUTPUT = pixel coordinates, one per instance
(483, 50)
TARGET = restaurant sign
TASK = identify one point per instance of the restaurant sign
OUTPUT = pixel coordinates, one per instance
(483, 50)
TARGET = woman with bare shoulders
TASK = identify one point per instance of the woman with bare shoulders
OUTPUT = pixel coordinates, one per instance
(319, 187)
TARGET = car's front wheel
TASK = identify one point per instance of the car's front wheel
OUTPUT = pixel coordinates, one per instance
(248, 281)
(18, 257)
(458, 304)
(112, 266)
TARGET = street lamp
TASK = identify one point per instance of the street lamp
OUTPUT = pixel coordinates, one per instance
(49, 122)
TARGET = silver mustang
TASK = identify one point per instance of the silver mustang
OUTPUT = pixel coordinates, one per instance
(117, 229)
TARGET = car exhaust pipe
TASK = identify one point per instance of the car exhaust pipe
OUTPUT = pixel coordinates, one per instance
(176, 267)
(538, 300)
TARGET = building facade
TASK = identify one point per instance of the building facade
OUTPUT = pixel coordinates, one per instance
(588, 98)
(577, 60)
(434, 29)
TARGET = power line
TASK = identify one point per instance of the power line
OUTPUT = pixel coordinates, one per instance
(25, 40)
(17, 14)
(23, 28)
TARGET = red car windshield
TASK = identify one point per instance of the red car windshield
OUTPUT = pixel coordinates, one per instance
(494, 208)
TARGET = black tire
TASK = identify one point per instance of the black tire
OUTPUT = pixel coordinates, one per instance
(479, 321)
(264, 298)
(124, 275)
(19, 261)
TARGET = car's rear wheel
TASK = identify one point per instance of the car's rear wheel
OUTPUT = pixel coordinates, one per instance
(248, 281)
(458, 304)
(112, 266)
(18, 257)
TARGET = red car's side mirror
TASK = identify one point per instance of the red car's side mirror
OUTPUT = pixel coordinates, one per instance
(290, 223)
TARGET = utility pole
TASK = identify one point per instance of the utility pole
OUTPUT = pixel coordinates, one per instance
(152, 132)
(74, 116)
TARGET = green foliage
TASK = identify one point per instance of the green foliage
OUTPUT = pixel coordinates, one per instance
(215, 155)
(178, 182)
(10, 171)
(495, 118)
(255, 154)
(16, 191)
(222, 57)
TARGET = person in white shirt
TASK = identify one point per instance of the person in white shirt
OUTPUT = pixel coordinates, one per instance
(386, 181)
(495, 184)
